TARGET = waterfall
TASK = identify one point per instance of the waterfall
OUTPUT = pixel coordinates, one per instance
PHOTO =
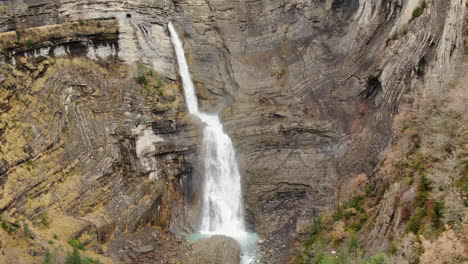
(221, 209)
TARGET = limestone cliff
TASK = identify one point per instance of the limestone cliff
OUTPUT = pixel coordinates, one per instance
(97, 147)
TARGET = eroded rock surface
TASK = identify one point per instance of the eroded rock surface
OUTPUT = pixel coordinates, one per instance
(218, 250)
(307, 91)
(311, 88)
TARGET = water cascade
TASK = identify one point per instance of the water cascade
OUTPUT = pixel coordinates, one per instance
(221, 210)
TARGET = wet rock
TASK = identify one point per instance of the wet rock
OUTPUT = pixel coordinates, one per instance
(218, 250)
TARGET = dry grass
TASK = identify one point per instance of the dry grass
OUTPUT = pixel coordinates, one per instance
(447, 248)
(32, 36)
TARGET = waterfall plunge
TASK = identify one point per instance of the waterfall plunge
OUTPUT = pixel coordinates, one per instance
(221, 211)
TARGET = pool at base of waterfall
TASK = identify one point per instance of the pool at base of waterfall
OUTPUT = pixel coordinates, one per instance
(222, 209)
(247, 241)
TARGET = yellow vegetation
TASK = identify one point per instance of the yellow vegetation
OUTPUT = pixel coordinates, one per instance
(30, 36)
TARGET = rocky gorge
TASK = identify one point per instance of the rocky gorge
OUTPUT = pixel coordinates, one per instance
(331, 105)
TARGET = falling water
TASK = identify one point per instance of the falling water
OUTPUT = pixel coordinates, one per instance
(221, 211)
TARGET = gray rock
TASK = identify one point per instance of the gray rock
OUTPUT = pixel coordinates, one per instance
(32, 252)
(292, 80)
(218, 250)
(144, 249)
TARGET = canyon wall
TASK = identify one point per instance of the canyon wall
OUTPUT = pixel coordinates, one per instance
(96, 138)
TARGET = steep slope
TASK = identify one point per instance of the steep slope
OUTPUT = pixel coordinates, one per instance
(89, 149)
(96, 141)
(413, 209)
(312, 88)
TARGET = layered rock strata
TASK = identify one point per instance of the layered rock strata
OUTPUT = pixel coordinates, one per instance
(308, 91)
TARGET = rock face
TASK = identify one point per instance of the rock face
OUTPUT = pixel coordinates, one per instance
(218, 250)
(311, 88)
(307, 89)
(87, 148)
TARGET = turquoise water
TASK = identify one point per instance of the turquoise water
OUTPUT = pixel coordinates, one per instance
(192, 238)
(222, 211)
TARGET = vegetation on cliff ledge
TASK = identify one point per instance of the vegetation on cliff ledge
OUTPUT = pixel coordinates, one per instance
(422, 184)
(25, 39)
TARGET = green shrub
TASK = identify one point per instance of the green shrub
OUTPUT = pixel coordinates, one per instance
(325, 259)
(4, 225)
(142, 80)
(313, 231)
(357, 203)
(150, 72)
(347, 214)
(356, 226)
(418, 10)
(462, 183)
(44, 220)
(18, 35)
(369, 189)
(437, 215)
(27, 232)
(75, 243)
(338, 215)
(29, 42)
(7, 226)
(421, 198)
(48, 257)
(30, 162)
(380, 258)
(304, 259)
(99, 24)
(353, 243)
(362, 218)
(414, 224)
(423, 190)
(73, 257)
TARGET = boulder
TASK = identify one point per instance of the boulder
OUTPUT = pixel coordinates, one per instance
(144, 249)
(218, 250)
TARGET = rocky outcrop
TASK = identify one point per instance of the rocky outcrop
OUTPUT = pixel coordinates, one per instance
(87, 152)
(218, 250)
(307, 91)
(311, 88)
(96, 39)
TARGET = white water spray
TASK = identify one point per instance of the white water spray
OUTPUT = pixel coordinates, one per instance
(222, 210)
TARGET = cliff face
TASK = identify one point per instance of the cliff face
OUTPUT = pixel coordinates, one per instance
(96, 137)
(93, 141)
(312, 88)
